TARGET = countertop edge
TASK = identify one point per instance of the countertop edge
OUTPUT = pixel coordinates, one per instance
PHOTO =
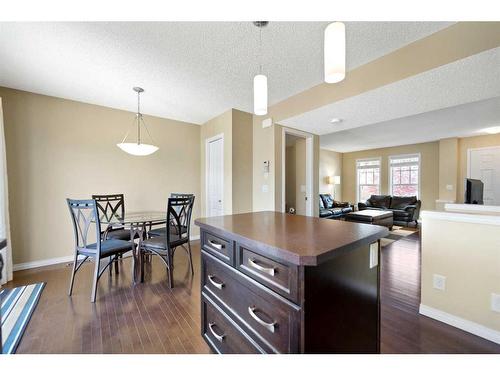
(293, 258)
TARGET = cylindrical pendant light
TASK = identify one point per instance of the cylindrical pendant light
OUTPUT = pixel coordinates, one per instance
(334, 52)
(260, 94)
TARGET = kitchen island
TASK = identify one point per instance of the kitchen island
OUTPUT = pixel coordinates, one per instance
(278, 283)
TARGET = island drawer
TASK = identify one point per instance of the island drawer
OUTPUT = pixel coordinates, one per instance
(223, 335)
(261, 312)
(218, 246)
(278, 276)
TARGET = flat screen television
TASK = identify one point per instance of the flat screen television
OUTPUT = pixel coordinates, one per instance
(473, 191)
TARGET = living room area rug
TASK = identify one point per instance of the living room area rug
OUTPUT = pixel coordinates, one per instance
(396, 234)
(17, 306)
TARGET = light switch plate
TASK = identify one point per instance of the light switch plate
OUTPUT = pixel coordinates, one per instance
(449, 187)
(374, 254)
(267, 122)
(265, 188)
(439, 282)
(495, 302)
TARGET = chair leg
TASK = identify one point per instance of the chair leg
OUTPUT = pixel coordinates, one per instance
(96, 279)
(170, 270)
(70, 291)
(116, 264)
(190, 258)
(142, 255)
(111, 265)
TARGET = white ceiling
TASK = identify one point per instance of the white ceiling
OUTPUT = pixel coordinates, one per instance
(190, 71)
(460, 121)
(468, 80)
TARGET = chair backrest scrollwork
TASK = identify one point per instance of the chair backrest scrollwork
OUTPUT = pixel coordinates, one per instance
(84, 215)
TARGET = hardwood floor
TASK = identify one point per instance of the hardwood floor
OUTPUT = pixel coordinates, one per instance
(150, 318)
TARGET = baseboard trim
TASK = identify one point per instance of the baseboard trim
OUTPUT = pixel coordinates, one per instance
(463, 324)
(42, 263)
(58, 260)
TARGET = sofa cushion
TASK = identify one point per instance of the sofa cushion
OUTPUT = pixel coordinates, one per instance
(321, 204)
(400, 203)
(327, 200)
(380, 201)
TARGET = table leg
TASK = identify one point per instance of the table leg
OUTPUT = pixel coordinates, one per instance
(137, 260)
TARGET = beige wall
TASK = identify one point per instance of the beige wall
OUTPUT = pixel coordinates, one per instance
(330, 164)
(58, 149)
(468, 255)
(448, 169)
(236, 127)
(463, 145)
(242, 161)
(429, 175)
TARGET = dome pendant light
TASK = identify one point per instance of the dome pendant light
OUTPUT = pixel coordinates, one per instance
(334, 52)
(138, 148)
(260, 80)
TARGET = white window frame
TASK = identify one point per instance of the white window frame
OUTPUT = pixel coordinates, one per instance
(379, 159)
(404, 156)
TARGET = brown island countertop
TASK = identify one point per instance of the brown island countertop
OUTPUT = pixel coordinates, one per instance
(300, 240)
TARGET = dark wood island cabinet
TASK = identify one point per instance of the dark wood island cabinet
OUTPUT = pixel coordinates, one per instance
(278, 283)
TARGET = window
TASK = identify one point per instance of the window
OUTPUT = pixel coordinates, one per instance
(404, 175)
(368, 178)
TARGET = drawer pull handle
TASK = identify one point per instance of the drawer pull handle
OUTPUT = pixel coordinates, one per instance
(270, 271)
(269, 326)
(217, 245)
(215, 283)
(220, 338)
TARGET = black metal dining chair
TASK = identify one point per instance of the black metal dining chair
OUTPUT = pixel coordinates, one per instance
(84, 214)
(179, 212)
(161, 231)
(112, 206)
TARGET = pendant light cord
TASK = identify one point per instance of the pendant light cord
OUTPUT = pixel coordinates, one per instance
(260, 50)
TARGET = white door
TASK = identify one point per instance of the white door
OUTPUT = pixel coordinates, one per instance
(484, 165)
(215, 177)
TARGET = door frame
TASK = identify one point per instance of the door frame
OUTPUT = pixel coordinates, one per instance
(207, 165)
(309, 167)
(469, 151)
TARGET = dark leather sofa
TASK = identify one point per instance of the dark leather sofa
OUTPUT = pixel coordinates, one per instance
(406, 210)
(332, 209)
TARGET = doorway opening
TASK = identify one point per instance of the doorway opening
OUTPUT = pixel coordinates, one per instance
(297, 160)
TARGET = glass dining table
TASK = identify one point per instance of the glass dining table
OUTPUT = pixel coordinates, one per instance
(138, 223)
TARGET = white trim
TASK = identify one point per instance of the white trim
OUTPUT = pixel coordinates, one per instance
(309, 167)
(461, 218)
(451, 206)
(43, 263)
(379, 159)
(207, 141)
(463, 324)
(59, 260)
(402, 156)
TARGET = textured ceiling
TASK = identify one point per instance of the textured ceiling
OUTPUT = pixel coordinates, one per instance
(191, 71)
(460, 121)
(468, 80)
